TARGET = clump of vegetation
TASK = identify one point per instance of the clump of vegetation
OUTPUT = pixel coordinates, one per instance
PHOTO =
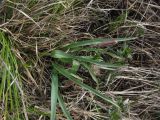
(79, 59)
(11, 94)
(73, 59)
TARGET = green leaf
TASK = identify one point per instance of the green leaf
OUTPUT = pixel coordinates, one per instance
(95, 41)
(60, 54)
(54, 95)
(75, 66)
(87, 49)
(68, 75)
(114, 55)
(91, 73)
(63, 107)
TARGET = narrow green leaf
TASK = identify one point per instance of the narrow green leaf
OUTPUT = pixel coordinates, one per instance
(54, 95)
(68, 75)
(88, 49)
(114, 55)
(60, 54)
(95, 41)
(63, 107)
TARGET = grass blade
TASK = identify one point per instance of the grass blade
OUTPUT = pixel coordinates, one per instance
(96, 41)
(63, 107)
(68, 75)
(62, 55)
(54, 95)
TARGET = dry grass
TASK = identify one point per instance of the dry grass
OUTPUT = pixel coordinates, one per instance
(36, 28)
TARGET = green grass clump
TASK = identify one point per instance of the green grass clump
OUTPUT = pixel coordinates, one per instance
(10, 101)
(68, 55)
